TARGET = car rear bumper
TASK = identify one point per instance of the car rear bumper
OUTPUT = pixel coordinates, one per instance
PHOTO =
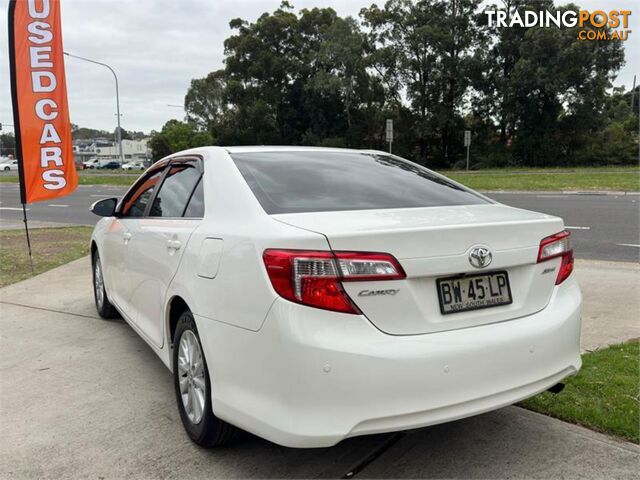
(310, 378)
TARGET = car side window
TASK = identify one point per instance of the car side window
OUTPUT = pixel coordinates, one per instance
(136, 203)
(195, 208)
(175, 191)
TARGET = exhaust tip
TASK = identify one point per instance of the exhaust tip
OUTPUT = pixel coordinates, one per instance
(557, 388)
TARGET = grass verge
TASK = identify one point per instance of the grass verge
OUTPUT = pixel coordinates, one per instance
(604, 396)
(617, 179)
(51, 248)
(120, 180)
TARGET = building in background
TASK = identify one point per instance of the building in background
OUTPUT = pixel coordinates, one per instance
(105, 149)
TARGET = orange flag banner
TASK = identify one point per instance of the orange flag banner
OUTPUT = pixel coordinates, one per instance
(40, 107)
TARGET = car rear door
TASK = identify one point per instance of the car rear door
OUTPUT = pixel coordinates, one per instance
(158, 242)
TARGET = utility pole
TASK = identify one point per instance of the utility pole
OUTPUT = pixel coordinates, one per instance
(119, 131)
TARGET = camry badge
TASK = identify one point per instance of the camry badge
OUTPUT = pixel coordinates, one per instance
(375, 293)
(480, 257)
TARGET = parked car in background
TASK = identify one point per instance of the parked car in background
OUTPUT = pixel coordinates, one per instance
(133, 166)
(91, 163)
(8, 164)
(309, 295)
(108, 165)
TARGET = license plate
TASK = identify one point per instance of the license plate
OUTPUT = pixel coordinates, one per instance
(472, 292)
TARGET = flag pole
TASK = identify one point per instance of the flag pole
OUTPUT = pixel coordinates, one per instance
(26, 231)
(16, 127)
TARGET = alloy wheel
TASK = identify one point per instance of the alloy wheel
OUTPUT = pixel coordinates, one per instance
(98, 283)
(191, 376)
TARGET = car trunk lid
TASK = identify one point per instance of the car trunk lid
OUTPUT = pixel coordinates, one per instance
(433, 243)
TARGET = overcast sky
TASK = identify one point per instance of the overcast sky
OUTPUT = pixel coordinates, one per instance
(158, 46)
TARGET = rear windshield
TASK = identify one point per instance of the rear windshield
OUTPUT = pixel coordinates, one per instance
(314, 181)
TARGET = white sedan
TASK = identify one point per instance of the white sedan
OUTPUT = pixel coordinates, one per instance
(133, 166)
(309, 295)
(9, 165)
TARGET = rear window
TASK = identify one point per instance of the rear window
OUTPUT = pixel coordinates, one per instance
(309, 181)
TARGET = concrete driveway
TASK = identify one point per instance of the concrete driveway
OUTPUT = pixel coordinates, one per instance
(84, 397)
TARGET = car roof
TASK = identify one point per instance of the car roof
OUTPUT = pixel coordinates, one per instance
(284, 148)
(265, 148)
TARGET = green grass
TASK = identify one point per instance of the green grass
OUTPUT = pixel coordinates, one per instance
(97, 171)
(582, 179)
(51, 248)
(561, 170)
(603, 396)
(91, 179)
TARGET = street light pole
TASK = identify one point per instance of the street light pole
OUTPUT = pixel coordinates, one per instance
(119, 134)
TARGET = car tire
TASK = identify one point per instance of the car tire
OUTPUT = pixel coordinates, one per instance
(103, 305)
(192, 385)
(6, 169)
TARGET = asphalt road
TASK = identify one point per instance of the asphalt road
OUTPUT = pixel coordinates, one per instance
(605, 227)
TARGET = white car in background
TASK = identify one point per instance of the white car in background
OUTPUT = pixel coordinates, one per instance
(8, 164)
(91, 163)
(133, 166)
(309, 295)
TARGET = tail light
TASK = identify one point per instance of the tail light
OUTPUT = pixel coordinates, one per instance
(558, 245)
(314, 278)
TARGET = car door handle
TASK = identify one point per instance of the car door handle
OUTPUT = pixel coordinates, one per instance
(174, 244)
(126, 236)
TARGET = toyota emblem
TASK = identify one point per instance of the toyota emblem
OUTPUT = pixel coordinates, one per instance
(480, 257)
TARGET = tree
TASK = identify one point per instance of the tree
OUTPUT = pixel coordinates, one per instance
(425, 48)
(83, 133)
(205, 99)
(7, 144)
(531, 95)
(176, 136)
(289, 79)
(617, 142)
(262, 63)
(560, 86)
(494, 65)
(160, 146)
(124, 134)
(336, 94)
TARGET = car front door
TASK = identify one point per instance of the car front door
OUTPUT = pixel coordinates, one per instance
(157, 244)
(118, 234)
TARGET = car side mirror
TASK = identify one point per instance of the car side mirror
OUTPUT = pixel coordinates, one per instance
(105, 207)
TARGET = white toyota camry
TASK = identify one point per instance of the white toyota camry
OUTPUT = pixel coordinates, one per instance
(308, 295)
